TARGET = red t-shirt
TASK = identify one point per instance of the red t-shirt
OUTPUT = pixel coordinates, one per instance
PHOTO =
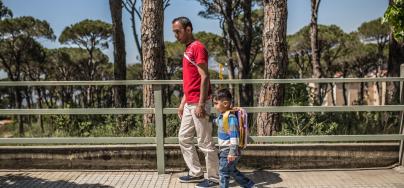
(195, 53)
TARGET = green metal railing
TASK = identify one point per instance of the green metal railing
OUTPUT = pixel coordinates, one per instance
(159, 111)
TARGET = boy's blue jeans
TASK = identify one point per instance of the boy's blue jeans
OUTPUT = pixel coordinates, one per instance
(227, 169)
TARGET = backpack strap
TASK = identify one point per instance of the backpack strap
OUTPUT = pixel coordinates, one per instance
(226, 120)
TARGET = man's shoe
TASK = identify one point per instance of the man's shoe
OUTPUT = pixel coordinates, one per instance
(190, 179)
(207, 183)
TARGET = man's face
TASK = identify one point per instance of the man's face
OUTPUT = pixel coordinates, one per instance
(180, 32)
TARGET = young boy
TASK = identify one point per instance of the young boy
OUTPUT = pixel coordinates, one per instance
(229, 152)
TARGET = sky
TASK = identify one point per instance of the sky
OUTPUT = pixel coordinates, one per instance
(347, 14)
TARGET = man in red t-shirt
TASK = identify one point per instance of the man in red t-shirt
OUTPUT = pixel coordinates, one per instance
(195, 107)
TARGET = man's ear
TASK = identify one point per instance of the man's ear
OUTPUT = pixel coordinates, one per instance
(188, 29)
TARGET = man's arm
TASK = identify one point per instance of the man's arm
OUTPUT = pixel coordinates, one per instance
(181, 107)
(204, 73)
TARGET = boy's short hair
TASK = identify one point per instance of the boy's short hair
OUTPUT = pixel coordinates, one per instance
(223, 95)
(185, 22)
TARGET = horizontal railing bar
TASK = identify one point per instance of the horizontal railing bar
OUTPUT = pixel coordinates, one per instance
(88, 83)
(75, 140)
(311, 109)
(88, 111)
(308, 80)
(174, 140)
(329, 138)
(177, 82)
(363, 108)
(82, 111)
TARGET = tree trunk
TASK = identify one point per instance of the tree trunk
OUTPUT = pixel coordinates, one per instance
(18, 99)
(230, 64)
(242, 43)
(396, 57)
(136, 38)
(344, 94)
(130, 7)
(276, 58)
(245, 55)
(40, 106)
(28, 99)
(153, 51)
(362, 94)
(118, 38)
(315, 55)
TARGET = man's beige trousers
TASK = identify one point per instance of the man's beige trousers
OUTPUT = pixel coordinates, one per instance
(190, 124)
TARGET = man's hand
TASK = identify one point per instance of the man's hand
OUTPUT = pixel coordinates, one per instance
(200, 111)
(231, 158)
(180, 111)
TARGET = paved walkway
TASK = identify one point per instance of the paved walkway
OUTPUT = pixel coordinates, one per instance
(382, 178)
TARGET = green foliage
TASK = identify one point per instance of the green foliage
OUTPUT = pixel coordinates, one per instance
(64, 63)
(394, 15)
(174, 53)
(296, 95)
(212, 42)
(5, 99)
(332, 123)
(67, 125)
(329, 36)
(340, 123)
(339, 52)
(331, 47)
(27, 27)
(4, 11)
(134, 72)
(98, 126)
(304, 124)
(87, 34)
(374, 30)
(21, 54)
(360, 59)
(172, 125)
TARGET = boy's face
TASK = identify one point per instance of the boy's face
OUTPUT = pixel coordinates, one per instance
(221, 105)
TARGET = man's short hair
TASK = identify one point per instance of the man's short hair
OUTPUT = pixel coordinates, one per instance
(223, 95)
(185, 22)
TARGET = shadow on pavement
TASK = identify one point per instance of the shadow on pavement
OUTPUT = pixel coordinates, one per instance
(24, 180)
(261, 178)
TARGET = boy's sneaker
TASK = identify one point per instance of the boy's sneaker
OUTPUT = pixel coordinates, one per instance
(190, 179)
(207, 183)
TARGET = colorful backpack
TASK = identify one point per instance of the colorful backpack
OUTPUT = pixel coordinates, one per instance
(242, 117)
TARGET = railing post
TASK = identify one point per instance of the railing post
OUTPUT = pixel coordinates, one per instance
(159, 126)
(401, 154)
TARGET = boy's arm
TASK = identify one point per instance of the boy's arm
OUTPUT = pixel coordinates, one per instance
(234, 135)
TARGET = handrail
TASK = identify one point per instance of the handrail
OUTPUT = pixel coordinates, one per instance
(88, 111)
(177, 82)
(160, 140)
(174, 140)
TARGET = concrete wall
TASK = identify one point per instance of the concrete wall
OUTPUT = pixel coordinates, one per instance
(270, 156)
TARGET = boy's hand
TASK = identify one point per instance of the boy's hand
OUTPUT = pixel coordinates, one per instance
(231, 158)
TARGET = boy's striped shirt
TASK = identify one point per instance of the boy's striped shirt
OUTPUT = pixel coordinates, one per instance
(231, 137)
